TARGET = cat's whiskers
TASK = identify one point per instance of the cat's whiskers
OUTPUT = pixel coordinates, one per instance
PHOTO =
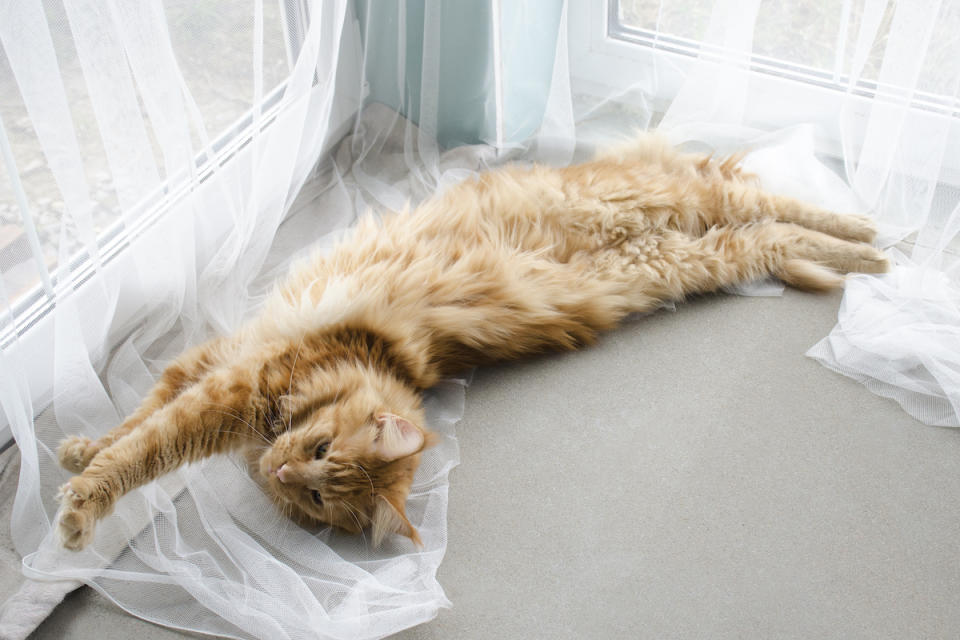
(263, 436)
(231, 412)
(293, 368)
(369, 479)
(353, 514)
(228, 413)
(244, 433)
(277, 410)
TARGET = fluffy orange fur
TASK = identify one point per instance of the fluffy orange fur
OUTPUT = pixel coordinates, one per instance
(322, 389)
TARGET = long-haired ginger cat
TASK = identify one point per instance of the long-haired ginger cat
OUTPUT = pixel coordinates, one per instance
(322, 390)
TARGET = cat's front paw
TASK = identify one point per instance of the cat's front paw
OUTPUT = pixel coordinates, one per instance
(76, 452)
(78, 514)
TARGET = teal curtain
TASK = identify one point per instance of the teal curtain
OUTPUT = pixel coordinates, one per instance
(434, 62)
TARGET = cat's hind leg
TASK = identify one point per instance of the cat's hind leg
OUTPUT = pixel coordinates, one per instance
(76, 452)
(681, 265)
(728, 195)
(802, 257)
(734, 202)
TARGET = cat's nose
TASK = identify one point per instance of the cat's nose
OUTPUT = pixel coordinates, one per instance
(283, 474)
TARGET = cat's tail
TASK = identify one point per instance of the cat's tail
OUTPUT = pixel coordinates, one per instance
(808, 275)
(654, 148)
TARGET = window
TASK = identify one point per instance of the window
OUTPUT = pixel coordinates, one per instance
(799, 59)
(212, 48)
(150, 222)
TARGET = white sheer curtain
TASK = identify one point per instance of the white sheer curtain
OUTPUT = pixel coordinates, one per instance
(153, 150)
(900, 334)
(165, 197)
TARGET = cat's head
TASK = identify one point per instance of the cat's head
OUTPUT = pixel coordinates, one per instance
(349, 463)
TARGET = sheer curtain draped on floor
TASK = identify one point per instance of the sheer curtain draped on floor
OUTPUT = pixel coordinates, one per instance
(177, 136)
(186, 152)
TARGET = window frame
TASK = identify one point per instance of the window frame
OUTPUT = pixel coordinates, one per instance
(606, 56)
(29, 338)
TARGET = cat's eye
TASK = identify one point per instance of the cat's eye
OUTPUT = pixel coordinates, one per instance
(316, 497)
(321, 451)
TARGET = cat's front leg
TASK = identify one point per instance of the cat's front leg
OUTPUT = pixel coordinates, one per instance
(76, 452)
(209, 418)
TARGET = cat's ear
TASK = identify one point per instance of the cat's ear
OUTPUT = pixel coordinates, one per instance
(388, 518)
(396, 437)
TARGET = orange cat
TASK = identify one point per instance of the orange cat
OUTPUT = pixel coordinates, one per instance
(322, 390)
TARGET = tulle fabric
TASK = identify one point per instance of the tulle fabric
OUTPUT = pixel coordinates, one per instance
(202, 549)
(900, 336)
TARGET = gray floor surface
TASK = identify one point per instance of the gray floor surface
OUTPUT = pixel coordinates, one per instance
(692, 475)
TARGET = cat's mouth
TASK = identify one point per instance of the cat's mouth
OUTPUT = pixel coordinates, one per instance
(285, 478)
(279, 476)
(290, 481)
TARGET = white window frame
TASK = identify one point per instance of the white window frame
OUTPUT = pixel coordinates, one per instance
(30, 338)
(603, 62)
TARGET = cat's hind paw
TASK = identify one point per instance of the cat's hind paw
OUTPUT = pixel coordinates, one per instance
(857, 228)
(78, 519)
(871, 260)
(76, 452)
